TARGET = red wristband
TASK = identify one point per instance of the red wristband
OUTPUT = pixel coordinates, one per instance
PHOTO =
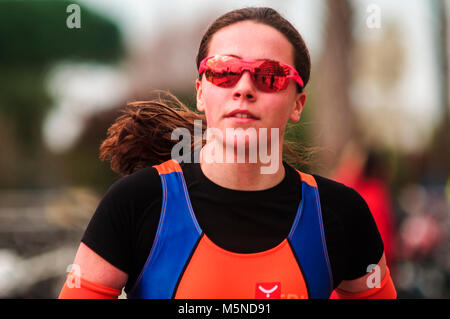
(385, 291)
(85, 289)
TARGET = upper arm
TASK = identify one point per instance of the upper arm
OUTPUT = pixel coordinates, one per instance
(367, 281)
(96, 269)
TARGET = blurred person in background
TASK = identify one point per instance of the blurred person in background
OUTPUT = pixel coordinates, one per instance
(367, 172)
(364, 171)
(207, 229)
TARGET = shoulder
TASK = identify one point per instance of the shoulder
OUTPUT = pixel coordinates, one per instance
(137, 187)
(333, 188)
(130, 196)
(145, 177)
(344, 203)
(338, 196)
(334, 192)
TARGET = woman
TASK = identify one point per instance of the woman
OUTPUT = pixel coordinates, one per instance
(278, 234)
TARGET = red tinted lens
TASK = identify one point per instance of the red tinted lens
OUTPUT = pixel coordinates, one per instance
(270, 76)
(270, 83)
(223, 79)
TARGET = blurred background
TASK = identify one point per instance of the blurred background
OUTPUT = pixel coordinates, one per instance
(378, 109)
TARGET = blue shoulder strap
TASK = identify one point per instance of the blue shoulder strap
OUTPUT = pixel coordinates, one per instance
(307, 239)
(176, 238)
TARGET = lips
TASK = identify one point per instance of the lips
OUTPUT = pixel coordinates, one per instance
(242, 114)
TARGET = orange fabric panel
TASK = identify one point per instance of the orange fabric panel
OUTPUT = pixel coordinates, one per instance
(216, 273)
(168, 167)
(386, 290)
(308, 179)
(87, 290)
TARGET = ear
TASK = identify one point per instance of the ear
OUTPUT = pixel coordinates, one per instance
(200, 102)
(300, 101)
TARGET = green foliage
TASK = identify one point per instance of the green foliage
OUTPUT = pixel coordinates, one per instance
(24, 101)
(35, 33)
(33, 37)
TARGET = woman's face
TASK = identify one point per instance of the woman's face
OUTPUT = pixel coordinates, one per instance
(249, 40)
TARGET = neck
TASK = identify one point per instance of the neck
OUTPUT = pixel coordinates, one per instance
(248, 175)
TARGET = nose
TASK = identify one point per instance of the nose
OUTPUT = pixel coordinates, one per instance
(245, 88)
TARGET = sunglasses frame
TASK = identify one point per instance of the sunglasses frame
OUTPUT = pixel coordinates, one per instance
(248, 65)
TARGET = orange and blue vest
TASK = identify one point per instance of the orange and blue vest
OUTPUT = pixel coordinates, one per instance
(184, 263)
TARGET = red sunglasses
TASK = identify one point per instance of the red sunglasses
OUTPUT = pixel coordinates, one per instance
(267, 75)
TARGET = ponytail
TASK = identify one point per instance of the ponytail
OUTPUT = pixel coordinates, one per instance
(141, 136)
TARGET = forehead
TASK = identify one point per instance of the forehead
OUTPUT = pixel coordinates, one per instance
(251, 40)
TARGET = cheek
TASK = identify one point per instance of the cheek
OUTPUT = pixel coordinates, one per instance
(214, 99)
(212, 108)
(280, 110)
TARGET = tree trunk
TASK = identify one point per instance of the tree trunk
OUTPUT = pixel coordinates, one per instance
(440, 150)
(333, 117)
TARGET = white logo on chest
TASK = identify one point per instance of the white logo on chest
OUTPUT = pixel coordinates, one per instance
(268, 291)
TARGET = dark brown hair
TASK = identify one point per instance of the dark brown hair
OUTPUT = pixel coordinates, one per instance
(141, 136)
(267, 16)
